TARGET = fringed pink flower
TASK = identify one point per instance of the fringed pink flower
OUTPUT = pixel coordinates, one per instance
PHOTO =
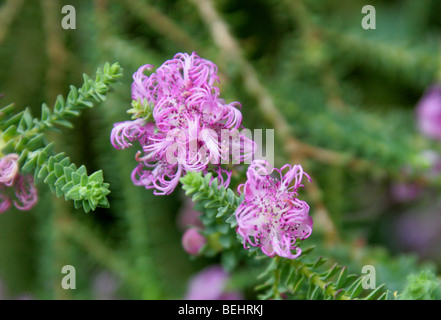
(124, 133)
(190, 122)
(15, 189)
(271, 216)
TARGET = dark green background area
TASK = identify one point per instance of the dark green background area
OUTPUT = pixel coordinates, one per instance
(312, 56)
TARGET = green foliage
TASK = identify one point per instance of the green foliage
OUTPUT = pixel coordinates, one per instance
(346, 94)
(64, 178)
(23, 134)
(284, 275)
(218, 205)
(366, 136)
(22, 126)
(400, 62)
(315, 281)
(422, 286)
(79, 99)
(141, 110)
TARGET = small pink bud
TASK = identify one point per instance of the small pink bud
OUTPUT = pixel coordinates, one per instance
(193, 241)
(429, 113)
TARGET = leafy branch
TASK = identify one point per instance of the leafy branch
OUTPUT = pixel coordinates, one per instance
(23, 134)
(313, 281)
(284, 275)
(218, 205)
(422, 286)
(23, 125)
(64, 178)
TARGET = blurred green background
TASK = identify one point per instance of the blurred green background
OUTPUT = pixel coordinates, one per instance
(340, 88)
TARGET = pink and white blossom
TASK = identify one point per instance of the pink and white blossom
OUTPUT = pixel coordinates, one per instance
(189, 118)
(15, 189)
(271, 216)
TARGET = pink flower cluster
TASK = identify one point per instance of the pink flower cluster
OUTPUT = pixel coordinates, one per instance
(211, 284)
(189, 119)
(271, 216)
(15, 188)
(429, 113)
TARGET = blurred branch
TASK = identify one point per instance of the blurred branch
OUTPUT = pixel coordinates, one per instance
(414, 65)
(128, 52)
(161, 24)
(315, 46)
(7, 14)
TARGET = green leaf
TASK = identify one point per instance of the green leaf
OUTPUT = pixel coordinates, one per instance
(74, 193)
(342, 277)
(375, 293)
(96, 177)
(36, 142)
(65, 179)
(356, 288)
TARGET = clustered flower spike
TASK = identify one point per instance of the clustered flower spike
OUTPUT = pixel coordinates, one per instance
(271, 216)
(15, 188)
(189, 120)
